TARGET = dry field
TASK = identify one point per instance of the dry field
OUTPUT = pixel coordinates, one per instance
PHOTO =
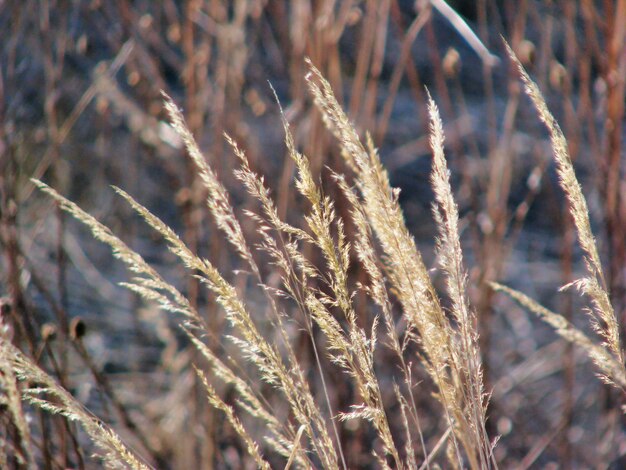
(312, 234)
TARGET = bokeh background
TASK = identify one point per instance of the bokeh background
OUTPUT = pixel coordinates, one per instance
(81, 108)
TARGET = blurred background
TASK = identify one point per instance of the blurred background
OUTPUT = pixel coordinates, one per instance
(81, 109)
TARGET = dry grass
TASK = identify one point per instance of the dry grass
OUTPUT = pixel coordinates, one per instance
(311, 333)
(450, 345)
(609, 357)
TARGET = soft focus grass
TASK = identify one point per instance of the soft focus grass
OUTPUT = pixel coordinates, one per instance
(447, 341)
(286, 317)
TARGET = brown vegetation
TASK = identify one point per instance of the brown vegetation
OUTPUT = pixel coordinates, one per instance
(307, 330)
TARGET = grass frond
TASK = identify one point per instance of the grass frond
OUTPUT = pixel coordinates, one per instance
(604, 320)
(217, 201)
(462, 401)
(466, 357)
(353, 350)
(612, 370)
(218, 403)
(148, 283)
(44, 392)
(281, 435)
(10, 398)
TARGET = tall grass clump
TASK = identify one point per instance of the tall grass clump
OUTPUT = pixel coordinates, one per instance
(315, 297)
(320, 297)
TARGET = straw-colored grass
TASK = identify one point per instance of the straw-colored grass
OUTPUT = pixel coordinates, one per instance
(325, 299)
(320, 297)
(42, 391)
(608, 356)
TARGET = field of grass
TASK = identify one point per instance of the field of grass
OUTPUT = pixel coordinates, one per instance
(312, 234)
